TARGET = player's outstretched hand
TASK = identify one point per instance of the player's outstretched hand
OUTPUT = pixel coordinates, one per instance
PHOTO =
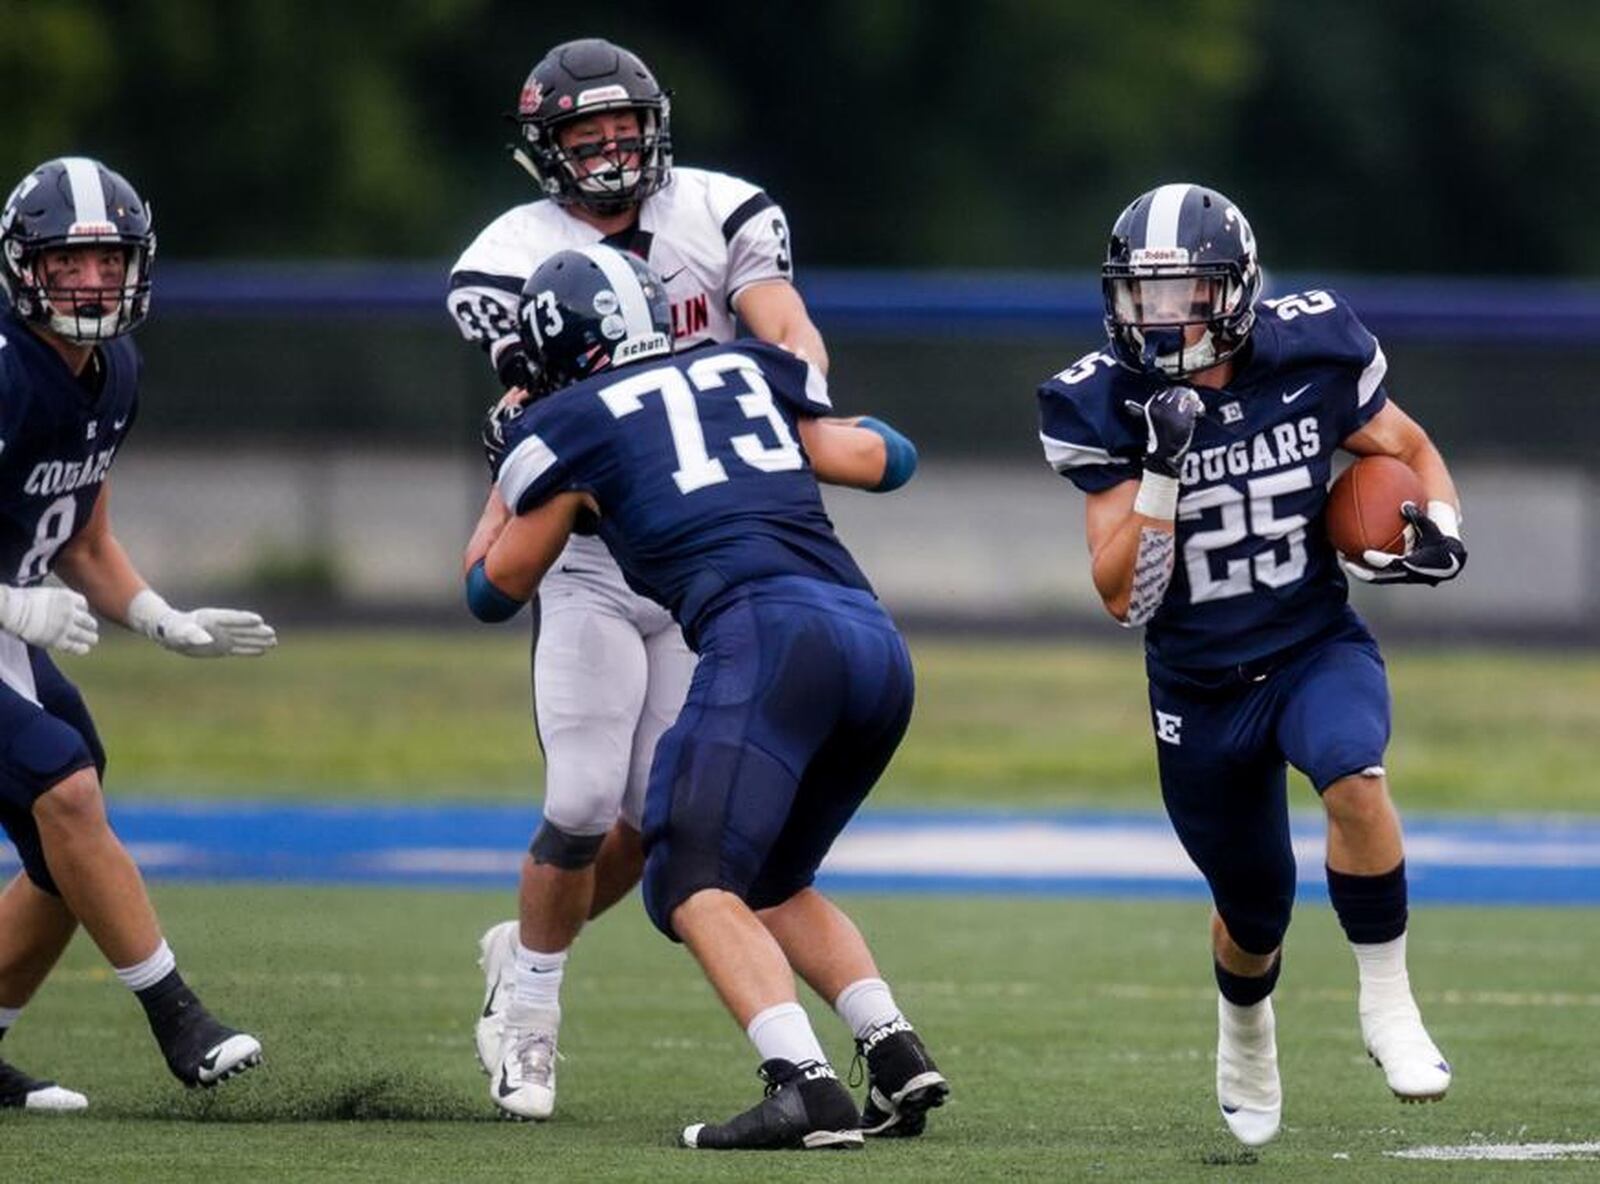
(1169, 419)
(56, 618)
(1433, 557)
(202, 633)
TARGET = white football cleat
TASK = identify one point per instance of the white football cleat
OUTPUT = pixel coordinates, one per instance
(524, 1083)
(21, 1092)
(1248, 1089)
(497, 954)
(1412, 1064)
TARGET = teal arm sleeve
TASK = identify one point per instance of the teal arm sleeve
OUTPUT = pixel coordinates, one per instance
(486, 601)
(901, 455)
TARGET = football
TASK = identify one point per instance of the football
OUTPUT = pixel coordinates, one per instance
(1363, 511)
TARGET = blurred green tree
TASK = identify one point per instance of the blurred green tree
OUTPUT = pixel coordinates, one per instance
(1389, 135)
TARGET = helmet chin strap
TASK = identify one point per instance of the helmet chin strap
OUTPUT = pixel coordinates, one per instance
(1183, 361)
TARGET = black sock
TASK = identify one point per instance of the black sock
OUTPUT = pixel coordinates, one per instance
(1247, 990)
(1372, 909)
(166, 1000)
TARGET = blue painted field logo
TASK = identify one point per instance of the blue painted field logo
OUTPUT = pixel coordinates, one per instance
(1168, 728)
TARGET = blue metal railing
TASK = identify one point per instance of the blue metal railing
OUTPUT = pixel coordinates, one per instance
(875, 303)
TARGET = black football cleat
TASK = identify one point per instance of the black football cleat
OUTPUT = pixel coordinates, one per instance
(805, 1108)
(200, 1050)
(18, 1091)
(903, 1083)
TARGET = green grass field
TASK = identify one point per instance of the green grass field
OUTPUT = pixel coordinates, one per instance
(1077, 1034)
(445, 716)
(1077, 1037)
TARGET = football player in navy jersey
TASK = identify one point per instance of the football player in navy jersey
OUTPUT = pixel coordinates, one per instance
(75, 253)
(699, 471)
(610, 668)
(1204, 438)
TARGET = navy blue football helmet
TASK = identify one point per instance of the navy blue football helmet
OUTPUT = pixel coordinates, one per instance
(590, 309)
(582, 78)
(1180, 257)
(68, 202)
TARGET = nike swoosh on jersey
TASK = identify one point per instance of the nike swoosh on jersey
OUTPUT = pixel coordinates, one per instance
(488, 1007)
(1288, 398)
(667, 279)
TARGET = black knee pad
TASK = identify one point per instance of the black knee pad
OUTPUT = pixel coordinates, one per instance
(558, 848)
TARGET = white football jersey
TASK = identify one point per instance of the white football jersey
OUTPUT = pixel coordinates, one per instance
(708, 236)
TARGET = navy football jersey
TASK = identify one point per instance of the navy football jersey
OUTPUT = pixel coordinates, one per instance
(1255, 571)
(57, 442)
(697, 468)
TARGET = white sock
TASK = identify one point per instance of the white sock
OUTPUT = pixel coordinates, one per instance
(1382, 970)
(784, 1031)
(539, 977)
(866, 1004)
(1247, 1023)
(151, 971)
(8, 1016)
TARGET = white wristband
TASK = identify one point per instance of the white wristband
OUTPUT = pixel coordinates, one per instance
(1158, 497)
(145, 611)
(1446, 517)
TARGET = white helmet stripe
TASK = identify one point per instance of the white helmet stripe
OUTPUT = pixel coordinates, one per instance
(1161, 227)
(88, 195)
(625, 283)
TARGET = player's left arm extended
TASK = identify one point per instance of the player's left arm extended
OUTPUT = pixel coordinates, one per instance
(95, 564)
(863, 453)
(774, 311)
(509, 554)
(1437, 553)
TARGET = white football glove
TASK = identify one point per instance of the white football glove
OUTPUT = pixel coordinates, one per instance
(202, 633)
(57, 618)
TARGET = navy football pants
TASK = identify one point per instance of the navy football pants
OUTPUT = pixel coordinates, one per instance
(801, 695)
(44, 739)
(1223, 742)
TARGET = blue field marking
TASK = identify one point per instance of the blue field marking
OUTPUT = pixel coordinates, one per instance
(1518, 859)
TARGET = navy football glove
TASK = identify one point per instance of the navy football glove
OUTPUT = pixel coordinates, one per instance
(516, 369)
(1433, 557)
(496, 421)
(1169, 420)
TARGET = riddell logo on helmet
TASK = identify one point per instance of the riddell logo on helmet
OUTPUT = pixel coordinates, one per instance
(532, 96)
(602, 94)
(90, 229)
(1159, 255)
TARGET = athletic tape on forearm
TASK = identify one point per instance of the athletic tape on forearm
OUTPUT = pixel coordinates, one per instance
(1158, 497)
(1152, 572)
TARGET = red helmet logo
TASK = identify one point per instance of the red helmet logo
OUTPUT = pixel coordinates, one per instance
(532, 96)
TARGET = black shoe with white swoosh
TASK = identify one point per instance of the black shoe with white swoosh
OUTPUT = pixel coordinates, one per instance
(806, 1108)
(199, 1049)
